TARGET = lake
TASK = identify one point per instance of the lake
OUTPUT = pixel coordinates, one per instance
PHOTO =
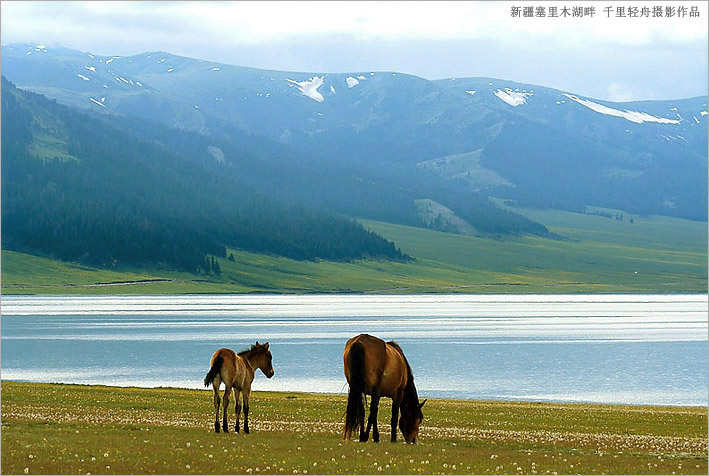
(636, 349)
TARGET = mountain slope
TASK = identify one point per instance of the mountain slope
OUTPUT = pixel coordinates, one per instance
(646, 157)
(101, 195)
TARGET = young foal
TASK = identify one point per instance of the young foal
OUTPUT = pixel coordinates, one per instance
(377, 368)
(237, 372)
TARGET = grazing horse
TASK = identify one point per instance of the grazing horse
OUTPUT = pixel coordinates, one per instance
(377, 368)
(237, 372)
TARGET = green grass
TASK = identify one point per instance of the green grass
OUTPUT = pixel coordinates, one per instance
(61, 429)
(46, 146)
(594, 255)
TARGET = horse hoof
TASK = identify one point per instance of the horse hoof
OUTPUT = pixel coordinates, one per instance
(236, 429)
(216, 428)
(226, 430)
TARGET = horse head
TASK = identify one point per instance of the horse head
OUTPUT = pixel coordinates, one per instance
(411, 418)
(265, 360)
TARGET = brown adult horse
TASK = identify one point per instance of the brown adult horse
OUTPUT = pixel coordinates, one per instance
(377, 368)
(237, 372)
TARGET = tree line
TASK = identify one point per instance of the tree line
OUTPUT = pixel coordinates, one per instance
(130, 200)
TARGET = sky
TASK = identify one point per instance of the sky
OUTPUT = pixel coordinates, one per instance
(616, 58)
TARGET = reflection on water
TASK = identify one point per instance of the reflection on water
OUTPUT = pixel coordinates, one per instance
(645, 349)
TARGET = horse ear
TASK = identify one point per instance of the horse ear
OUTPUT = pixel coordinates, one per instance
(423, 403)
(256, 342)
(265, 346)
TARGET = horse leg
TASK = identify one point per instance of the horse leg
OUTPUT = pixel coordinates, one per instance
(215, 386)
(237, 409)
(245, 392)
(373, 410)
(394, 419)
(227, 391)
(363, 436)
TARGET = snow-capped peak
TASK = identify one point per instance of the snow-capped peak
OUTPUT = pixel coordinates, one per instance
(513, 98)
(351, 82)
(310, 87)
(632, 116)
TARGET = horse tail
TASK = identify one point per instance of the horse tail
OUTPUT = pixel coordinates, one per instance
(216, 367)
(354, 417)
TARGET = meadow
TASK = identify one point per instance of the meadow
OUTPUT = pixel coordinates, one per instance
(74, 429)
(591, 254)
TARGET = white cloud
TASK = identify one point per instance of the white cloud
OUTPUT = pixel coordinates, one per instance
(611, 58)
(254, 22)
(618, 93)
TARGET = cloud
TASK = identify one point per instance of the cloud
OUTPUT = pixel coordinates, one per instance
(259, 22)
(600, 57)
(619, 93)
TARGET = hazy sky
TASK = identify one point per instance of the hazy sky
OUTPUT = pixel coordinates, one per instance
(608, 58)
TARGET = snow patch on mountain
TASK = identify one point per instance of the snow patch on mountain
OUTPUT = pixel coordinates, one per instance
(632, 116)
(513, 98)
(351, 82)
(90, 68)
(310, 87)
(82, 77)
(216, 68)
(96, 102)
(471, 92)
(703, 113)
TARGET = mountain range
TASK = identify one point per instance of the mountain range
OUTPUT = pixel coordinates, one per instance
(388, 145)
(539, 146)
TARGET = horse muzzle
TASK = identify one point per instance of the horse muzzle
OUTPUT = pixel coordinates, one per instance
(270, 374)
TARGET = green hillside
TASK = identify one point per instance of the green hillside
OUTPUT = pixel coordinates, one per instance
(83, 190)
(593, 255)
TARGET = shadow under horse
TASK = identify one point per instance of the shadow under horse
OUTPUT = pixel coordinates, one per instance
(380, 369)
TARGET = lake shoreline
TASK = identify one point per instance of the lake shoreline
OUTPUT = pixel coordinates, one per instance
(485, 401)
(612, 349)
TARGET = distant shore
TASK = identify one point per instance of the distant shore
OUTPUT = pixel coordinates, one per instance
(655, 255)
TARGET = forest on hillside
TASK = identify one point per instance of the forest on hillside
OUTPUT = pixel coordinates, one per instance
(110, 198)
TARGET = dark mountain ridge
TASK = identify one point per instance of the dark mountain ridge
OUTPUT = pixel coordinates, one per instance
(80, 189)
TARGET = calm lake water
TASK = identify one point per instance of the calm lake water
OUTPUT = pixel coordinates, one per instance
(638, 349)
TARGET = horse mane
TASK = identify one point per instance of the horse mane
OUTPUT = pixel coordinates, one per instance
(410, 394)
(254, 348)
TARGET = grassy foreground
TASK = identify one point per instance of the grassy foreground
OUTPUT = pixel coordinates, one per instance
(58, 429)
